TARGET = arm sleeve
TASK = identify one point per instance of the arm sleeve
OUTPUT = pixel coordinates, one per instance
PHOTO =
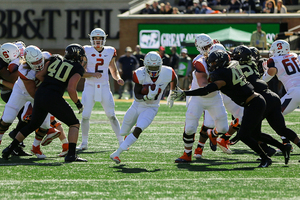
(202, 91)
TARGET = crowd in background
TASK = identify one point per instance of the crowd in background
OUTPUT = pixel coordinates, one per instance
(226, 6)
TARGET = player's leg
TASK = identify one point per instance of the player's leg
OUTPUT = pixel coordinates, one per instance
(108, 105)
(192, 116)
(88, 103)
(62, 137)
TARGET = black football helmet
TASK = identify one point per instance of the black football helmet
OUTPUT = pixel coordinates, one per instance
(74, 52)
(217, 59)
(242, 54)
(255, 53)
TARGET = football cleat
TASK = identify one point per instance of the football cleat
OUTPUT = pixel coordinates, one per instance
(185, 158)
(51, 135)
(74, 158)
(223, 144)
(279, 150)
(82, 147)
(37, 151)
(27, 111)
(115, 157)
(65, 150)
(265, 162)
(18, 151)
(212, 139)
(286, 152)
(198, 152)
(6, 153)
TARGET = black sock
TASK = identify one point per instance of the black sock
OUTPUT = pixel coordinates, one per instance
(72, 149)
(13, 144)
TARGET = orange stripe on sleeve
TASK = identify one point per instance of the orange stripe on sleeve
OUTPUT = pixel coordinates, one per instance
(173, 74)
(22, 76)
(135, 78)
(199, 67)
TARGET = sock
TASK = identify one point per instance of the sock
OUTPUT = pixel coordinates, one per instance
(72, 148)
(85, 127)
(13, 144)
(115, 124)
(188, 151)
(36, 142)
(130, 139)
(201, 145)
(285, 140)
(226, 136)
(64, 141)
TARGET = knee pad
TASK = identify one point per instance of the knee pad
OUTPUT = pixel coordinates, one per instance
(188, 139)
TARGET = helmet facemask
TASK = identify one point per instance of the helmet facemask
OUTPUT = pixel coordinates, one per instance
(153, 71)
(98, 42)
(37, 65)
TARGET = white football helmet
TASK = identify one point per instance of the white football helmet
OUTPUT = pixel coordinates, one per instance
(34, 58)
(203, 42)
(152, 63)
(216, 47)
(21, 47)
(279, 48)
(9, 52)
(98, 32)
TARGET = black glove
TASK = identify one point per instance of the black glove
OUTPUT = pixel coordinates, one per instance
(79, 106)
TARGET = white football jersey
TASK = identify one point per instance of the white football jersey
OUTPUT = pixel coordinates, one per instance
(166, 75)
(288, 69)
(26, 74)
(200, 65)
(99, 61)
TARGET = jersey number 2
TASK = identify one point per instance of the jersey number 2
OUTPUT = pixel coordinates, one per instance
(100, 62)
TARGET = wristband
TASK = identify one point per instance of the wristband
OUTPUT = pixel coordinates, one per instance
(78, 104)
(1, 81)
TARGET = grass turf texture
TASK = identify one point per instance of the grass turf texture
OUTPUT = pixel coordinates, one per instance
(147, 170)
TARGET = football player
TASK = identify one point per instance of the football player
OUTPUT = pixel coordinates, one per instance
(61, 74)
(155, 77)
(100, 58)
(212, 105)
(227, 77)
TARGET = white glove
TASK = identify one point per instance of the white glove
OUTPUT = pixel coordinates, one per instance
(170, 101)
(177, 93)
(152, 93)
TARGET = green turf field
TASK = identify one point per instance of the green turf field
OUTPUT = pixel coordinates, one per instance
(147, 170)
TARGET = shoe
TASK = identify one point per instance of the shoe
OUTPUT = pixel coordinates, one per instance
(27, 111)
(279, 150)
(115, 157)
(18, 151)
(65, 150)
(51, 135)
(286, 152)
(266, 162)
(185, 158)
(213, 140)
(223, 144)
(198, 152)
(37, 151)
(269, 151)
(82, 147)
(74, 158)
(6, 153)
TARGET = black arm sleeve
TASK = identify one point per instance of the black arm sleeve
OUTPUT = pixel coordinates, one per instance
(202, 91)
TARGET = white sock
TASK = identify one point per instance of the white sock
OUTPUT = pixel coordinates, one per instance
(115, 124)
(64, 141)
(187, 150)
(130, 139)
(85, 127)
(36, 142)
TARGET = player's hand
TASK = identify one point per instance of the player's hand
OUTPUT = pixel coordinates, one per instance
(177, 93)
(265, 65)
(97, 75)
(170, 101)
(120, 82)
(152, 93)
(79, 106)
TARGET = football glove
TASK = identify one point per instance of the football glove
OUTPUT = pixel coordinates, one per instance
(177, 93)
(79, 106)
(152, 93)
(170, 101)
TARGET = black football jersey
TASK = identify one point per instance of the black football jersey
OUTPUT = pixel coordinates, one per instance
(237, 88)
(59, 73)
(251, 74)
(3, 64)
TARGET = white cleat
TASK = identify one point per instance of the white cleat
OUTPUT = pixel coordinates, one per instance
(115, 157)
(82, 147)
